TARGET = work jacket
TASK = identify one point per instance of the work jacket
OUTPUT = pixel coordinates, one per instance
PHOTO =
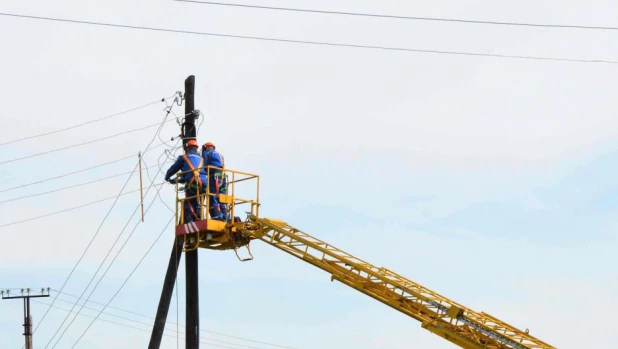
(213, 158)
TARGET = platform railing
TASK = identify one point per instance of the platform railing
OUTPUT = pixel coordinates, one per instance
(232, 180)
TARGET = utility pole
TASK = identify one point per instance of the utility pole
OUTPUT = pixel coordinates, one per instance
(192, 319)
(166, 295)
(27, 317)
(192, 306)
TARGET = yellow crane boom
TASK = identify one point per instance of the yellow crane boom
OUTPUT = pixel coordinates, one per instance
(438, 314)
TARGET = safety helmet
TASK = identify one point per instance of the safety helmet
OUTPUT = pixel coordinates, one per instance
(209, 144)
(192, 143)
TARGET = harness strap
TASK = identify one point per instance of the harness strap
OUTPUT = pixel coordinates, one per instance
(196, 172)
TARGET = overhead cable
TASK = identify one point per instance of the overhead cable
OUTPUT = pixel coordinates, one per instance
(94, 237)
(434, 19)
(87, 122)
(125, 281)
(68, 209)
(81, 144)
(109, 251)
(92, 240)
(107, 256)
(317, 43)
(169, 322)
(76, 172)
(69, 187)
(204, 339)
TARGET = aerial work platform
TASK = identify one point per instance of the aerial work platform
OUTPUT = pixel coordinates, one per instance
(448, 319)
(243, 192)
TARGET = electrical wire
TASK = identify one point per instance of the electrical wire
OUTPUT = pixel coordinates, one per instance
(106, 313)
(117, 253)
(69, 187)
(125, 281)
(159, 164)
(81, 144)
(317, 43)
(435, 19)
(97, 232)
(87, 122)
(145, 330)
(68, 174)
(69, 209)
(76, 172)
(92, 240)
(105, 260)
(172, 323)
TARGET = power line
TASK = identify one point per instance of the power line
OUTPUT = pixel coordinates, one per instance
(103, 262)
(68, 174)
(74, 186)
(78, 171)
(317, 43)
(171, 322)
(69, 187)
(80, 144)
(94, 237)
(107, 255)
(125, 281)
(86, 123)
(92, 240)
(137, 328)
(435, 19)
(68, 209)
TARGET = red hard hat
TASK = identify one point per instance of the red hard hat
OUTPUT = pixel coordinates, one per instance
(209, 144)
(192, 143)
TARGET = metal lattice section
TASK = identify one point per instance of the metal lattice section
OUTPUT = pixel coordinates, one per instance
(436, 313)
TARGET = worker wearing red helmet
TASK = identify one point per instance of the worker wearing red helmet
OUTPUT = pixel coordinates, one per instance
(216, 180)
(194, 179)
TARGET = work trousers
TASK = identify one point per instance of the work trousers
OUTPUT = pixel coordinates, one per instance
(217, 185)
(192, 207)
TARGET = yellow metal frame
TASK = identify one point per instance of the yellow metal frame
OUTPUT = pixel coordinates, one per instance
(220, 235)
(438, 314)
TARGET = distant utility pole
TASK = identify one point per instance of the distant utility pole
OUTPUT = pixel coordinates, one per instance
(27, 317)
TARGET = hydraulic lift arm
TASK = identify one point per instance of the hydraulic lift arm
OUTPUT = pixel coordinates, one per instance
(446, 318)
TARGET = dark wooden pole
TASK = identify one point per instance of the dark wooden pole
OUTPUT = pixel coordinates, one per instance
(166, 295)
(191, 262)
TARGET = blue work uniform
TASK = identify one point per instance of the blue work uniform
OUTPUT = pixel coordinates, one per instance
(217, 183)
(195, 184)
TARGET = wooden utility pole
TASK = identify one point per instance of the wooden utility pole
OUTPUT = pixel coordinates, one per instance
(192, 306)
(191, 262)
(27, 316)
(166, 295)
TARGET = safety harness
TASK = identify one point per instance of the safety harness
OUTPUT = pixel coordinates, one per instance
(196, 178)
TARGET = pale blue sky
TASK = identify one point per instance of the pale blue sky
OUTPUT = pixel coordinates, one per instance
(490, 181)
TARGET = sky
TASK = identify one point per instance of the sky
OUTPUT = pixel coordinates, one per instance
(488, 180)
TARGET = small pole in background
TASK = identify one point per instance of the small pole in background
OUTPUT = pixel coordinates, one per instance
(27, 316)
(141, 187)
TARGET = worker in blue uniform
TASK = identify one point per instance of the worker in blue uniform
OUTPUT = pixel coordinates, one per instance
(216, 180)
(194, 180)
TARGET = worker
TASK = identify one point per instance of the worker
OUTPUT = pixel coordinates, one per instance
(217, 183)
(194, 179)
